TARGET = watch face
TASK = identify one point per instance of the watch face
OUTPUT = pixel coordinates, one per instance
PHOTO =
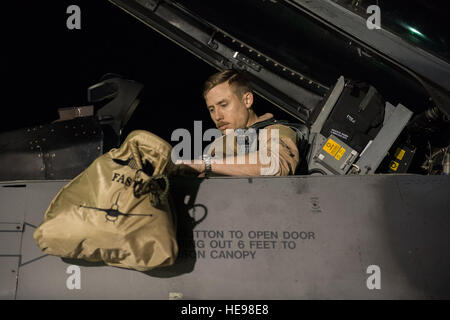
(207, 160)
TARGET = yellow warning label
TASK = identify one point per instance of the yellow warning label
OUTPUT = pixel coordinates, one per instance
(399, 153)
(331, 147)
(340, 154)
(393, 165)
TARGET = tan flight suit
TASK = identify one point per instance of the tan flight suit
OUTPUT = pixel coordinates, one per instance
(288, 151)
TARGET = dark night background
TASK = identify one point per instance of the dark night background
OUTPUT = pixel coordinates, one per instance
(46, 66)
(49, 66)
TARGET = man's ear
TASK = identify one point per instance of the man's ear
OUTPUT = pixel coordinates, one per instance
(248, 100)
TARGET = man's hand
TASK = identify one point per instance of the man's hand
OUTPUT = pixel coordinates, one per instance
(188, 168)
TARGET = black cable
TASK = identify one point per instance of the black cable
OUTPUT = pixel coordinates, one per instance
(317, 170)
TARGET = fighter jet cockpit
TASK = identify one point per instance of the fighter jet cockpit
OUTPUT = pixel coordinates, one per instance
(370, 101)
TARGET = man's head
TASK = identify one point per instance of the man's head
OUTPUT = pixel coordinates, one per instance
(229, 100)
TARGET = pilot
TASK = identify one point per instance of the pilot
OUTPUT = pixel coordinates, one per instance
(229, 100)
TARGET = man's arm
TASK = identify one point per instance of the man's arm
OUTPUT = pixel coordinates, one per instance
(231, 166)
(274, 161)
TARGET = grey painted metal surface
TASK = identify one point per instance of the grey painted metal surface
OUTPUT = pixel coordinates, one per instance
(12, 211)
(386, 42)
(8, 277)
(302, 238)
(328, 105)
(379, 148)
(10, 240)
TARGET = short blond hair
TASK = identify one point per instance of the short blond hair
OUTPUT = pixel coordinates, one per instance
(237, 80)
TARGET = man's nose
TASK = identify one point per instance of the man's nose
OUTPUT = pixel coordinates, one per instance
(218, 115)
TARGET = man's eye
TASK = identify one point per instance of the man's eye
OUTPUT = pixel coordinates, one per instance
(223, 105)
(211, 110)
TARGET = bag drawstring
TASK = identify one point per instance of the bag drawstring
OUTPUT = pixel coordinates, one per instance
(152, 186)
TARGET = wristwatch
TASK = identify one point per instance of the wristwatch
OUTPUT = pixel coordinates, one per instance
(207, 161)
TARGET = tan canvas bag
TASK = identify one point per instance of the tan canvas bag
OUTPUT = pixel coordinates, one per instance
(117, 210)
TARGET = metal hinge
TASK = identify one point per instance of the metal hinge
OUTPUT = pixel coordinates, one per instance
(212, 43)
(246, 61)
